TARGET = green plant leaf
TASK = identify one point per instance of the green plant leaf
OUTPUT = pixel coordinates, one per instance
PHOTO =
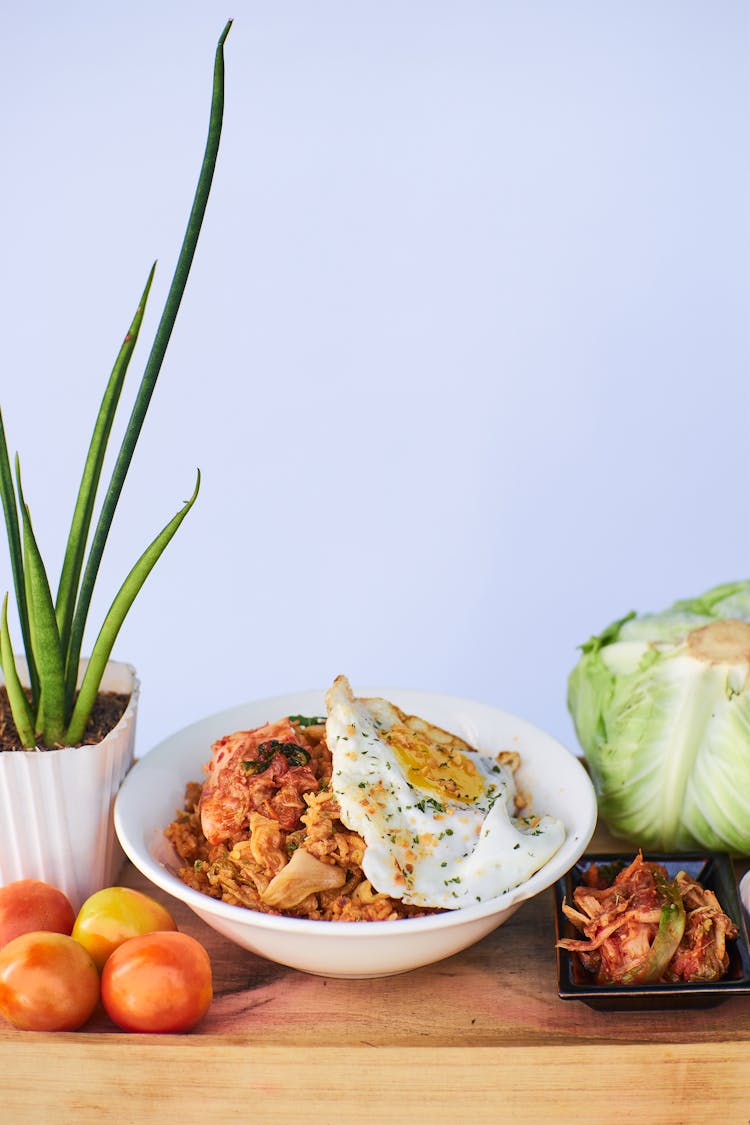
(153, 364)
(37, 696)
(19, 704)
(45, 636)
(112, 623)
(10, 510)
(54, 665)
(81, 522)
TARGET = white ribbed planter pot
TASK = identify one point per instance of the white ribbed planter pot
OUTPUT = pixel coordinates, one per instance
(56, 806)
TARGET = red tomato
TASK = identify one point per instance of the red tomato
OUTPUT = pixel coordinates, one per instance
(29, 904)
(48, 982)
(112, 916)
(158, 982)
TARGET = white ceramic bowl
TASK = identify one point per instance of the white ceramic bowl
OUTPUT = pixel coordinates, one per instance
(154, 791)
(745, 893)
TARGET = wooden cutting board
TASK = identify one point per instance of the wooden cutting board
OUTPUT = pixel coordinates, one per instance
(482, 1036)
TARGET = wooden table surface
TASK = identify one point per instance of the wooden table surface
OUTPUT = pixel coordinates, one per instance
(481, 1036)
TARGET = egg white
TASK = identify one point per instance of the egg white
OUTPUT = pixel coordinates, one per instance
(426, 847)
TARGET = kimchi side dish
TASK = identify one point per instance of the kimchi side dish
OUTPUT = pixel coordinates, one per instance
(643, 927)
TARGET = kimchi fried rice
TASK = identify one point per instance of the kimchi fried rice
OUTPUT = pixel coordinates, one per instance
(292, 855)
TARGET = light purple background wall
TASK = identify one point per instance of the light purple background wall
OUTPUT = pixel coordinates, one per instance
(464, 358)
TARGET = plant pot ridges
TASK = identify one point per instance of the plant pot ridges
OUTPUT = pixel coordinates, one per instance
(56, 806)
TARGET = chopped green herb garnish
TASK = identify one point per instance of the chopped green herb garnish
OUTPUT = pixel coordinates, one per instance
(429, 803)
(295, 755)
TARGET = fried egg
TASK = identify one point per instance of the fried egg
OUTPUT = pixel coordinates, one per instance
(438, 818)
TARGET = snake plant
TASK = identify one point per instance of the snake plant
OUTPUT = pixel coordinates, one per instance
(54, 709)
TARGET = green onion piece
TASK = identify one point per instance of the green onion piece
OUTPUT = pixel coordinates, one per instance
(306, 720)
(668, 937)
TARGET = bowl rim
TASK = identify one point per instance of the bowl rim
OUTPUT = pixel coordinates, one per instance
(572, 848)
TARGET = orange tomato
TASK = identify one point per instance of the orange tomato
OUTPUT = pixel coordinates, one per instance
(159, 982)
(29, 904)
(48, 982)
(115, 914)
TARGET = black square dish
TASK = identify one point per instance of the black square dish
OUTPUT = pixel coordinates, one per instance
(716, 873)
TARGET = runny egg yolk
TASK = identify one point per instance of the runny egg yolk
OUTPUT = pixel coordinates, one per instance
(442, 770)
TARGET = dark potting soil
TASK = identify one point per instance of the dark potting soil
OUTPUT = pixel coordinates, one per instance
(106, 713)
